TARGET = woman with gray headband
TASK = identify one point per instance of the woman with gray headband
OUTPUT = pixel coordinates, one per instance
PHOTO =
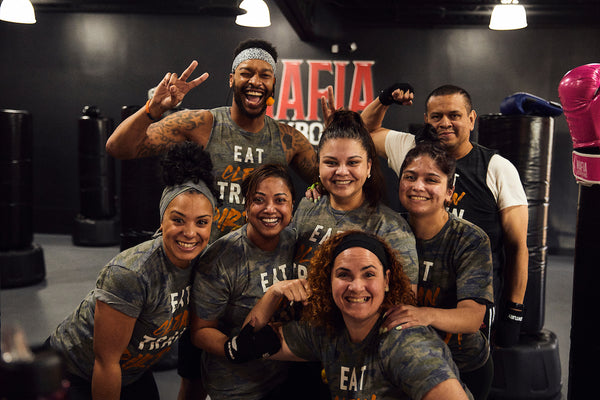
(139, 307)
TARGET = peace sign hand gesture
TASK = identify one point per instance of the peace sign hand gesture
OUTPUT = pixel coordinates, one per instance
(172, 89)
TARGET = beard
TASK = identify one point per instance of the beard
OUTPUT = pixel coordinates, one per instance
(238, 97)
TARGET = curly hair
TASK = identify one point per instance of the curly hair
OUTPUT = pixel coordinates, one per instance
(346, 124)
(322, 310)
(188, 161)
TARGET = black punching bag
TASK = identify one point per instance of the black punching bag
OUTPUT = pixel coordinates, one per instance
(579, 93)
(141, 190)
(526, 141)
(97, 223)
(585, 347)
(530, 369)
(16, 176)
(21, 261)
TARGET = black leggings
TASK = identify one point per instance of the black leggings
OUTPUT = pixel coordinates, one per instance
(142, 389)
(479, 381)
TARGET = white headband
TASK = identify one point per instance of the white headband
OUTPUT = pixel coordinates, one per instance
(253, 53)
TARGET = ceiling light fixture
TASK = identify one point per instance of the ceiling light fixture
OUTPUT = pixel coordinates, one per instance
(257, 14)
(19, 11)
(508, 15)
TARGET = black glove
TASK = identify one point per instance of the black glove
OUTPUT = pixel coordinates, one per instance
(509, 326)
(426, 134)
(385, 97)
(249, 345)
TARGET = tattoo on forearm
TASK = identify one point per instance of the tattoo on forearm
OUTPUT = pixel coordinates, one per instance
(174, 128)
(299, 153)
(287, 140)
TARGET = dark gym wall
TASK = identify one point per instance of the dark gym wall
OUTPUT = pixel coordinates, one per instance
(68, 60)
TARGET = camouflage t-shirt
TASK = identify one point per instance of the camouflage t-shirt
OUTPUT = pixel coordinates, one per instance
(456, 265)
(235, 153)
(141, 283)
(229, 280)
(403, 364)
(315, 223)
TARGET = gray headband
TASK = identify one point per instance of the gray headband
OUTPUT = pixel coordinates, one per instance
(170, 192)
(253, 53)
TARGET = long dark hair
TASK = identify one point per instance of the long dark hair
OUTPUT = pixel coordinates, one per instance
(442, 159)
(251, 182)
(346, 124)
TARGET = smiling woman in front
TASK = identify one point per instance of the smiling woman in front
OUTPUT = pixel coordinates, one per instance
(139, 307)
(355, 277)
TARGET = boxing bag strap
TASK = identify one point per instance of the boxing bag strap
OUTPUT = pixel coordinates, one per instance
(586, 168)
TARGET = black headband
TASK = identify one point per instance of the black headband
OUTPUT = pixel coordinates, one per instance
(365, 241)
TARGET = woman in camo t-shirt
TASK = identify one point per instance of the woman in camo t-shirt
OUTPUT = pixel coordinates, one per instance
(353, 187)
(139, 307)
(232, 276)
(455, 271)
(355, 278)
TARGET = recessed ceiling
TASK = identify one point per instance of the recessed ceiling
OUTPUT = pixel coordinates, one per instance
(321, 19)
(309, 16)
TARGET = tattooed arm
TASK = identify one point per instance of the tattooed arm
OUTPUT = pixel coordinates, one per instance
(137, 137)
(300, 154)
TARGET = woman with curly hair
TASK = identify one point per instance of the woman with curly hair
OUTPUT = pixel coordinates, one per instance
(352, 187)
(355, 277)
(139, 307)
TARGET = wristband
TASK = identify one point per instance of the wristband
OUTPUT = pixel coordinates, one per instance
(148, 112)
(249, 345)
(516, 316)
(509, 327)
(586, 168)
(516, 306)
(385, 96)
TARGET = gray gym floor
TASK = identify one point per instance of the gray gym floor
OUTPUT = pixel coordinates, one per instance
(71, 272)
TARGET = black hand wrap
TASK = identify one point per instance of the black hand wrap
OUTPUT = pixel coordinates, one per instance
(426, 134)
(249, 345)
(509, 326)
(385, 97)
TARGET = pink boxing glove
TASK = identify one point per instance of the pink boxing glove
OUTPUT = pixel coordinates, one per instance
(579, 95)
(595, 113)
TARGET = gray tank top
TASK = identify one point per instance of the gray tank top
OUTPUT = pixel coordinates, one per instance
(234, 154)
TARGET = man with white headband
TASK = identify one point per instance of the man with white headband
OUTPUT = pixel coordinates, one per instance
(239, 137)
